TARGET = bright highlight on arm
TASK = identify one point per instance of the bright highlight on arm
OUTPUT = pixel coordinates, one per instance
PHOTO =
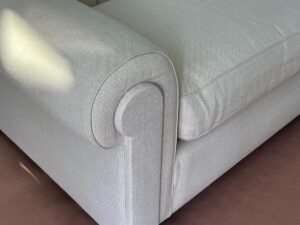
(30, 60)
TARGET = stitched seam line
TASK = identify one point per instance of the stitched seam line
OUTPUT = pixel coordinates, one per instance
(107, 77)
(170, 203)
(198, 135)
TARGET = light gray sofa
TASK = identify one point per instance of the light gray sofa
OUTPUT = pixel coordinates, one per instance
(91, 94)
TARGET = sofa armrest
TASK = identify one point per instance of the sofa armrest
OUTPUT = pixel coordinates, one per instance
(87, 71)
(76, 62)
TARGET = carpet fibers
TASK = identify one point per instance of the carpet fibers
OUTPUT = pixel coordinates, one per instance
(263, 189)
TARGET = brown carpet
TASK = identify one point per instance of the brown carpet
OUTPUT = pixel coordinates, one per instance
(263, 189)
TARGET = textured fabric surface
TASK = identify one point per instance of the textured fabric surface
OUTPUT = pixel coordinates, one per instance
(29, 197)
(64, 68)
(61, 53)
(262, 189)
(105, 183)
(91, 175)
(94, 177)
(139, 118)
(200, 162)
(227, 52)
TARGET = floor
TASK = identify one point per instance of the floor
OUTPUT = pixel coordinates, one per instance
(263, 189)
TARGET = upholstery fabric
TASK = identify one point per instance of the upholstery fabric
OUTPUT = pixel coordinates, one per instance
(99, 180)
(83, 48)
(64, 68)
(200, 162)
(91, 175)
(227, 53)
(72, 79)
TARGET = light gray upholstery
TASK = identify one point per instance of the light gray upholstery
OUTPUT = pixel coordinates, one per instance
(227, 53)
(84, 50)
(95, 104)
(64, 70)
(200, 162)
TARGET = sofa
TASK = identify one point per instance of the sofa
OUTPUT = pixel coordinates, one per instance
(133, 107)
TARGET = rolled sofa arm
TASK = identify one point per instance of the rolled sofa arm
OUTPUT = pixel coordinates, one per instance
(95, 59)
(79, 65)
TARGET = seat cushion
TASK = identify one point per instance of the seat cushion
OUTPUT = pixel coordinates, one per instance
(227, 53)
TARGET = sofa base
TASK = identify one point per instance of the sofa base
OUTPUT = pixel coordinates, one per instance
(200, 162)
